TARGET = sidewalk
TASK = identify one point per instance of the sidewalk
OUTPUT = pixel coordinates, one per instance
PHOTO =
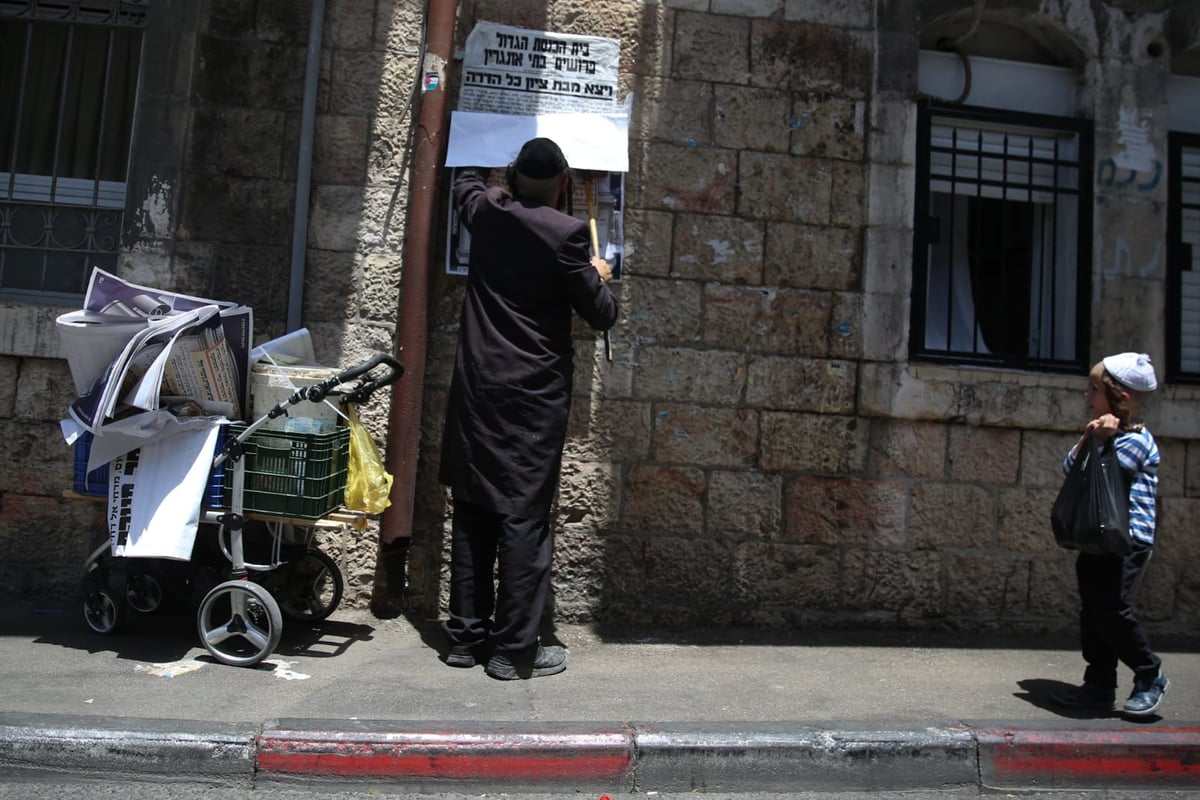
(366, 701)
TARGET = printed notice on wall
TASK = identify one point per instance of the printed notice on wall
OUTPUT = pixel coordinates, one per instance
(510, 70)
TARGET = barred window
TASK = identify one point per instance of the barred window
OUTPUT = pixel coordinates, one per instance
(1002, 239)
(1183, 268)
(68, 86)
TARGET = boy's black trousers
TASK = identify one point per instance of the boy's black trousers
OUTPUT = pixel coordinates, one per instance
(1109, 630)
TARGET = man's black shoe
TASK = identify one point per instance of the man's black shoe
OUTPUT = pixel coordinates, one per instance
(464, 655)
(547, 661)
(1089, 695)
(1146, 697)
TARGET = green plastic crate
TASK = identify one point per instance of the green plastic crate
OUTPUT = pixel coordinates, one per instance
(296, 475)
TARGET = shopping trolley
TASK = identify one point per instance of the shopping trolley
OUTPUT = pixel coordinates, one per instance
(276, 489)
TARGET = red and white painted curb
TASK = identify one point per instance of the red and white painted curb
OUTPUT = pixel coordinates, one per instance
(1151, 756)
(614, 757)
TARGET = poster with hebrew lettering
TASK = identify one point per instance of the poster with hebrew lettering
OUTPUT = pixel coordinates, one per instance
(509, 70)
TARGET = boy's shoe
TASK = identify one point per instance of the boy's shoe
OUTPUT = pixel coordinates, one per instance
(1147, 697)
(546, 661)
(1089, 695)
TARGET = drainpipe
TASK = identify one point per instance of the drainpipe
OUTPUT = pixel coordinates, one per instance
(404, 421)
(308, 113)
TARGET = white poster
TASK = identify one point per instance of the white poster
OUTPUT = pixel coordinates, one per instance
(518, 71)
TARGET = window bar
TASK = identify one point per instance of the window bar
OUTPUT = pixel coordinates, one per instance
(62, 110)
(948, 310)
(16, 125)
(1005, 250)
(103, 117)
(1054, 198)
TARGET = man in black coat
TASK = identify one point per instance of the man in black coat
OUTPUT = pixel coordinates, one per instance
(506, 419)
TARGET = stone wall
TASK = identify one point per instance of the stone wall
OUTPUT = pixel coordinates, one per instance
(760, 450)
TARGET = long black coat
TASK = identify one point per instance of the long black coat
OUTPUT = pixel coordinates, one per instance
(506, 419)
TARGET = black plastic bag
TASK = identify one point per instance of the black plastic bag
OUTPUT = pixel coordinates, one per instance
(1091, 512)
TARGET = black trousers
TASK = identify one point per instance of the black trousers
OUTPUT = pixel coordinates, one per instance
(1109, 630)
(499, 578)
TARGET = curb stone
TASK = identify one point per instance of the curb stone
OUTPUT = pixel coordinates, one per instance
(611, 757)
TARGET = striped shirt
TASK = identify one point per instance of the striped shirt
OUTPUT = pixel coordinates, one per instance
(1137, 453)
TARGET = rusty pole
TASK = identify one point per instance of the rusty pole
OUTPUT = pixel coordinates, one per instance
(404, 419)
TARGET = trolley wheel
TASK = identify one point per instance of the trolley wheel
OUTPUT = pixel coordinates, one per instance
(239, 623)
(144, 593)
(312, 587)
(102, 611)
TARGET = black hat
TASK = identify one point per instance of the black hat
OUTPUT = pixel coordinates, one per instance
(540, 158)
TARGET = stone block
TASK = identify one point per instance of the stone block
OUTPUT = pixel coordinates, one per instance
(843, 14)
(239, 142)
(748, 8)
(984, 455)
(370, 83)
(884, 328)
(889, 390)
(387, 146)
(673, 111)
(1053, 591)
(824, 126)
(588, 495)
(712, 48)
(798, 57)
(662, 311)
(847, 326)
(816, 443)
(255, 276)
(355, 219)
(597, 376)
(648, 241)
(688, 582)
(783, 188)
(682, 178)
(278, 70)
(37, 461)
(647, 39)
(50, 530)
(887, 258)
(891, 189)
(812, 257)
(623, 576)
(1191, 465)
(744, 504)
(378, 277)
(701, 435)
(907, 585)
(900, 448)
(774, 582)
(349, 24)
(9, 370)
(1171, 469)
(663, 499)
(577, 578)
(330, 286)
(340, 149)
(236, 210)
(748, 118)
(723, 249)
(986, 588)
(783, 321)
(848, 203)
(1154, 598)
(846, 511)
(1024, 520)
(1178, 520)
(698, 376)
(952, 516)
(1041, 459)
(893, 127)
(608, 430)
(44, 391)
(788, 383)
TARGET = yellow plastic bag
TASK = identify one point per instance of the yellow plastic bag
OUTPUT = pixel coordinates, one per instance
(368, 484)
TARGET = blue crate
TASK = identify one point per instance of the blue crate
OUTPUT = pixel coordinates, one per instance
(95, 483)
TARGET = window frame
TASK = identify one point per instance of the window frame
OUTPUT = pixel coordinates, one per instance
(927, 110)
(1177, 253)
(95, 208)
